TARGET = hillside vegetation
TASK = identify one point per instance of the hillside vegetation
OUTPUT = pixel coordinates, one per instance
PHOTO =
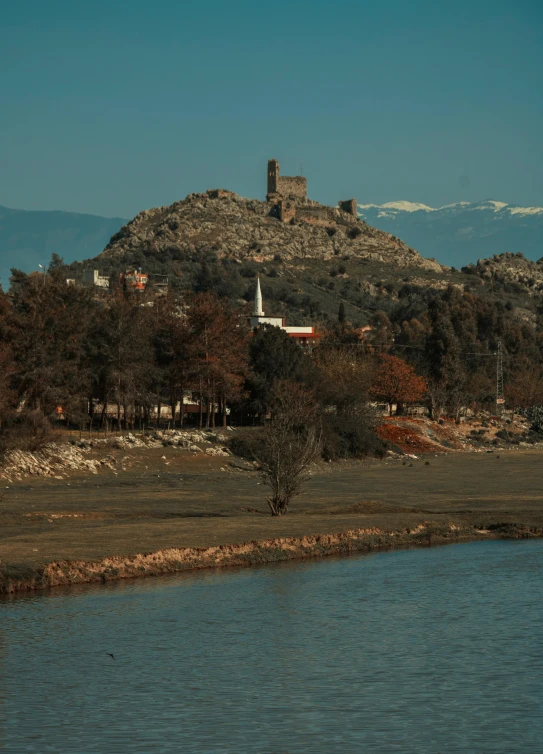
(219, 242)
(433, 338)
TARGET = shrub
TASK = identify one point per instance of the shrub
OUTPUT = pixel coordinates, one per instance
(509, 437)
(245, 443)
(350, 437)
(535, 417)
(27, 430)
(248, 271)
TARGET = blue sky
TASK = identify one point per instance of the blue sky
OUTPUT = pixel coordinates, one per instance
(113, 107)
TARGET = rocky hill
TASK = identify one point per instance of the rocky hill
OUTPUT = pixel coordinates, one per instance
(247, 229)
(510, 270)
(320, 257)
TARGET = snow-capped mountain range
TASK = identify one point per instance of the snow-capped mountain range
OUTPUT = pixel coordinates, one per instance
(460, 233)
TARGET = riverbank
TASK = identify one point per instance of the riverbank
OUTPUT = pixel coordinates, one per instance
(173, 510)
(175, 560)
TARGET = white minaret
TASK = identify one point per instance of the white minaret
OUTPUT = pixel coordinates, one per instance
(258, 311)
(258, 317)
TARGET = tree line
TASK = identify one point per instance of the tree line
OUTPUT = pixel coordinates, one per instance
(112, 359)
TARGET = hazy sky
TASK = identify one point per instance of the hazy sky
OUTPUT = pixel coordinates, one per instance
(111, 107)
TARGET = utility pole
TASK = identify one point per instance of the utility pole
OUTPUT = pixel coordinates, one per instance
(500, 399)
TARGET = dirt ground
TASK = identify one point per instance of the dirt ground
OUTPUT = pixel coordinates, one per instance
(172, 498)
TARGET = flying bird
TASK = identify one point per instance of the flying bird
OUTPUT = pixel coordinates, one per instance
(112, 656)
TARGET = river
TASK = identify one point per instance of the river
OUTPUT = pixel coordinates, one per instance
(431, 650)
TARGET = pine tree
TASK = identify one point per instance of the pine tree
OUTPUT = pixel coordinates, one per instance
(274, 357)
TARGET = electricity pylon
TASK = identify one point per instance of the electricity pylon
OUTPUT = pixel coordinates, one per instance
(500, 398)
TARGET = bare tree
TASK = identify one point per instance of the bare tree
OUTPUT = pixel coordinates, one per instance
(291, 442)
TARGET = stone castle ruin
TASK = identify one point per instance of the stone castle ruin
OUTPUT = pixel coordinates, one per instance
(283, 186)
(287, 225)
(288, 194)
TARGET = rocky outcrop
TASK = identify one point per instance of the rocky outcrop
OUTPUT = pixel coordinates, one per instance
(53, 460)
(230, 226)
(191, 439)
(56, 459)
(510, 268)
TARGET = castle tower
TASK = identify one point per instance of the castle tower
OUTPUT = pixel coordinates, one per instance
(273, 175)
(284, 186)
(258, 311)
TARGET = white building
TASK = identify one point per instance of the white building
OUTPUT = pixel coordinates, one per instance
(93, 277)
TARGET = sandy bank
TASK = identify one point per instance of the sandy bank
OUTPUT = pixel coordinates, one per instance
(172, 560)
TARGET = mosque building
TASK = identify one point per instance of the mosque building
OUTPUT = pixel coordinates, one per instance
(305, 336)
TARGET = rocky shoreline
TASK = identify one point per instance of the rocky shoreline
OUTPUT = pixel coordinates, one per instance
(15, 579)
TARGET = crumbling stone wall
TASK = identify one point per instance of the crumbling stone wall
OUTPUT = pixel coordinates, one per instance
(285, 186)
(287, 210)
(219, 193)
(349, 206)
(309, 212)
(292, 186)
(317, 215)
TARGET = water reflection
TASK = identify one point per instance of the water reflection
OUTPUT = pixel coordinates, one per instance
(412, 651)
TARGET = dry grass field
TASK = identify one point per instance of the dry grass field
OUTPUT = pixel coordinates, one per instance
(169, 498)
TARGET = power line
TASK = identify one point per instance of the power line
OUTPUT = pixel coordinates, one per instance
(461, 353)
(414, 348)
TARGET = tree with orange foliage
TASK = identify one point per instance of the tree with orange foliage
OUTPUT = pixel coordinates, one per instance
(396, 381)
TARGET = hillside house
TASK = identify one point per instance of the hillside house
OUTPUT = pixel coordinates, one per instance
(135, 279)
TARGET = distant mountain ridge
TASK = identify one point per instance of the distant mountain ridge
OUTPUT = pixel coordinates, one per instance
(461, 233)
(488, 204)
(29, 238)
